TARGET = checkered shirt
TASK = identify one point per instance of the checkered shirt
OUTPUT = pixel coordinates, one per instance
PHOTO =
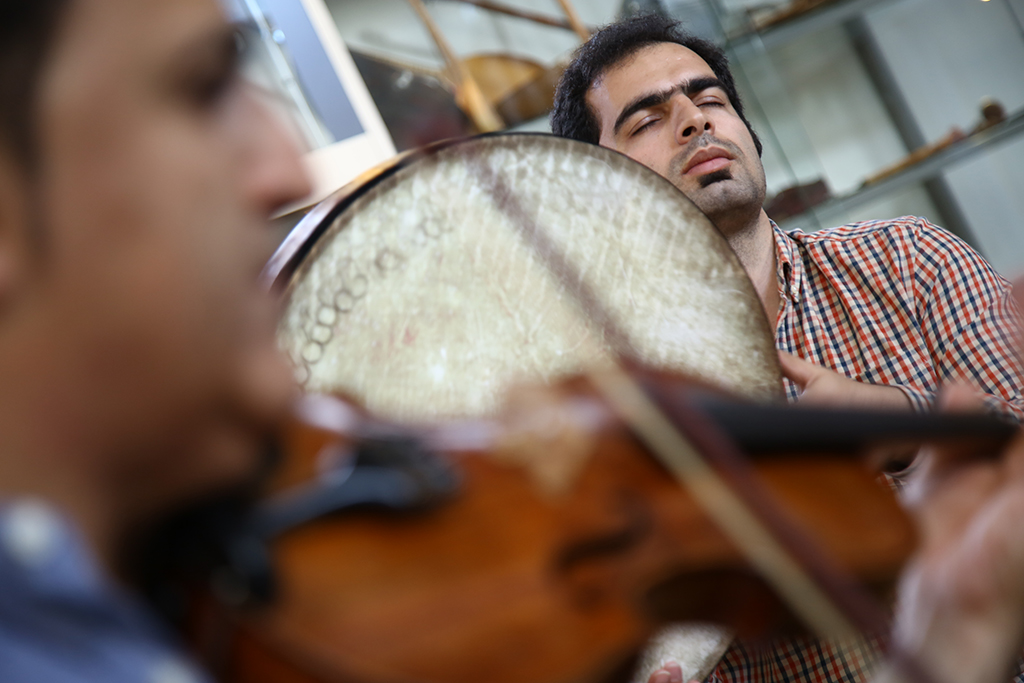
(899, 302)
(799, 659)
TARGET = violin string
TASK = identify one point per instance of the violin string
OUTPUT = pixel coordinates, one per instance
(730, 512)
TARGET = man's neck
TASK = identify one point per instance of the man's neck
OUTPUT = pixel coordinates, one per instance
(76, 498)
(754, 244)
(43, 456)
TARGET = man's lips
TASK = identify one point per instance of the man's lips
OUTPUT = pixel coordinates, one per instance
(707, 160)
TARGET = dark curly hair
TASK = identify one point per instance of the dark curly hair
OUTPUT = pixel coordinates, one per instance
(571, 117)
(27, 30)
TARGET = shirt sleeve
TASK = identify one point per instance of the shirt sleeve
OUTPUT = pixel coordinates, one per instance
(970, 321)
(921, 401)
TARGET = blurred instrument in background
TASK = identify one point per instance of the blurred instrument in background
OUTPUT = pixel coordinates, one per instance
(500, 90)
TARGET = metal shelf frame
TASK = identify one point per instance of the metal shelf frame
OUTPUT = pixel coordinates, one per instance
(929, 168)
(829, 15)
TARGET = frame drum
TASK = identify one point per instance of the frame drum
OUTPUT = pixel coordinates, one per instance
(426, 290)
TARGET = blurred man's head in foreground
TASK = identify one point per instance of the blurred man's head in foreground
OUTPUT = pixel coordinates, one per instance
(137, 173)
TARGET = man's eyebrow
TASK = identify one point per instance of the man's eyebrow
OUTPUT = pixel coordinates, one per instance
(688, 88)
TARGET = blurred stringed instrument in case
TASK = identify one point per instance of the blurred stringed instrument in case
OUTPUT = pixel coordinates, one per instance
(500, 90)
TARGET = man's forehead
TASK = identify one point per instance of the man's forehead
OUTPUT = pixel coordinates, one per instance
(156, 24)
(107, 50)
(652, 68)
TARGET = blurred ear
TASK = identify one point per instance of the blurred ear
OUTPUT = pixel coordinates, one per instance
(15, 226)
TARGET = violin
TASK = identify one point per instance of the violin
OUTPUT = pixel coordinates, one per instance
(547, 544)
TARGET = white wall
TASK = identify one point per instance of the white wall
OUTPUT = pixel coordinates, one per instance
(829, 121)
(946, 56)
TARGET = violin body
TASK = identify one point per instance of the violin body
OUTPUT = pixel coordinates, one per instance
(556, 556)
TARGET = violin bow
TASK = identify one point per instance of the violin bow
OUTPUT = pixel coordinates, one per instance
(829, 601)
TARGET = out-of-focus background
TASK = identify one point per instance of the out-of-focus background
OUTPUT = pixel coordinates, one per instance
(867, 108)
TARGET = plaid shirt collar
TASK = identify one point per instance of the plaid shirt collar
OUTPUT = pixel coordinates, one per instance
(789, 272)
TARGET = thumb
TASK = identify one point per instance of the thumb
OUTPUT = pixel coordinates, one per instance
(796, 369)
(671, 672)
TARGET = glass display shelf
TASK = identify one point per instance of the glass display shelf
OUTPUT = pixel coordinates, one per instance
(830, 14)
(930, 167)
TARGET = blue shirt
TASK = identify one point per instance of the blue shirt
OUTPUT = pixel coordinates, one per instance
(62, 619)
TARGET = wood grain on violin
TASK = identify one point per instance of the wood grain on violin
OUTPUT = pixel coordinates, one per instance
(511, 578)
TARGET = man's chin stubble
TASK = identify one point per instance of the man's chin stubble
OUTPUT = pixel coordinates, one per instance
(714, 177)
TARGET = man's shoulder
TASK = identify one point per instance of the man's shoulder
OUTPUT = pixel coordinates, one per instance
(898, 229)
(899, 249)
(893, 240)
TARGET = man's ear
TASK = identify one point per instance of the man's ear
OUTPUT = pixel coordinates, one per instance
(16, 244)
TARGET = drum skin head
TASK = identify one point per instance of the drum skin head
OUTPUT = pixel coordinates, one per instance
(424, 296)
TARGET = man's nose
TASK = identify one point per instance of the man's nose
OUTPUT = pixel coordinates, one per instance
(275, 174)
(690, 121)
